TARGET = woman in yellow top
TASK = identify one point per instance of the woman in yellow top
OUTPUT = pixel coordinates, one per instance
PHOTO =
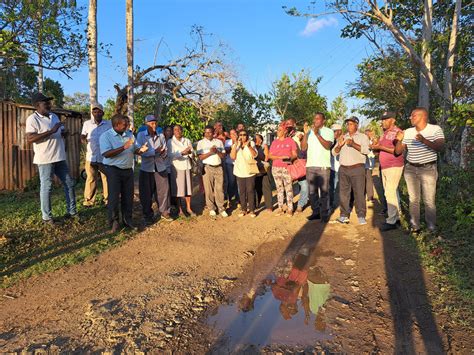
(243, 152)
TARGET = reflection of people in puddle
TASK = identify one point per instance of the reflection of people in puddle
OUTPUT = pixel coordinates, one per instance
(289, 289)
(309, 284)
(315, 294)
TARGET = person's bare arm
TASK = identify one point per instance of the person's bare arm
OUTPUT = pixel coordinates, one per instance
(38, 137)
(233, 151)
(83, 139)
(399, 146)
(326, 144)
(437, 145)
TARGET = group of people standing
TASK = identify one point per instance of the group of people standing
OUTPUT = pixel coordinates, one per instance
(237, 170)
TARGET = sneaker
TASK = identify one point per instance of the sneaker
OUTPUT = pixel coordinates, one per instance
(414, 230)
(166, 217)
(342, 220)
(212, 213)
(361, 220)
(253, 215)
(387, 227)
(49, 222)
(224, 214)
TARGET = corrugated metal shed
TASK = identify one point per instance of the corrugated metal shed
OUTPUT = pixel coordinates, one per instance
(16, 154)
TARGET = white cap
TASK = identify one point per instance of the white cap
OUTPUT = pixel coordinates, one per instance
(97, 105)
(336, 126)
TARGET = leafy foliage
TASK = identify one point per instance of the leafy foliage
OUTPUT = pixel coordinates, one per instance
(297, 97)
(252, 110)
(386, 83)
(79, 101)
(186, 115)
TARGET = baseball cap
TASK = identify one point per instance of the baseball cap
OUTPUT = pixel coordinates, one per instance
(39, 97)
(150, 118)
(336, 126)
(353, 119)
(388, 114)
(97, 105)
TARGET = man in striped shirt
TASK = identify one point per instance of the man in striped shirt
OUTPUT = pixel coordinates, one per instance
(422, 142)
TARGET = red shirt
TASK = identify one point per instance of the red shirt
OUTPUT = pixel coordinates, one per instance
(388, 160)
(282, 148)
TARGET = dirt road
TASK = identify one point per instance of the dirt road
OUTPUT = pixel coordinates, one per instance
(264, 284)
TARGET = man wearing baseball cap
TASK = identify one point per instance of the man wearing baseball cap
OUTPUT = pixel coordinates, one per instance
(391, 168)
(45, 131)
(153, 178)
(352, 149)
(91, 132)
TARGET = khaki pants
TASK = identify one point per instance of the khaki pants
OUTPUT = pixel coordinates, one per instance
(93, 170)
(214, 187)
(390, 179)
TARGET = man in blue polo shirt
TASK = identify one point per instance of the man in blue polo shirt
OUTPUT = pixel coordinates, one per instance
(117, 146)
(317, 141)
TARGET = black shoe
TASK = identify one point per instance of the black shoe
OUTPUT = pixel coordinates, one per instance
(149, 221)
(130, 226)
(325, 219)
(387, 227)
(74, 217)
(115, 227)
(313, 217)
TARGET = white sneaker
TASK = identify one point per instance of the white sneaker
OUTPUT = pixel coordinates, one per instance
(212, 213)
(224, 214)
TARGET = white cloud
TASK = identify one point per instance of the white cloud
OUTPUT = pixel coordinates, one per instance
(314, 25)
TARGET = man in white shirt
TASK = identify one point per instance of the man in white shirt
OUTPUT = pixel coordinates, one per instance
(211, 152)
(317, 142)
(91, 131)
(45, 131)
(422, 142)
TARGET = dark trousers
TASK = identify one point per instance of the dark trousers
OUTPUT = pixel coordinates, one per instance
(369, 185)
(352, 179)
(333, 189)
(120, 183)
(154, 186)
(263, 187)
(318, 183)
(247, 193)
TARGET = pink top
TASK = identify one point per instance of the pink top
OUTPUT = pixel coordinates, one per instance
(388, 160)
(282, 148)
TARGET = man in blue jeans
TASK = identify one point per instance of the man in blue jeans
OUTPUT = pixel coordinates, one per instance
(46, 132)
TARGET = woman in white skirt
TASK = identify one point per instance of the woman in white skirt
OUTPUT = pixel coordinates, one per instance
(180, 150)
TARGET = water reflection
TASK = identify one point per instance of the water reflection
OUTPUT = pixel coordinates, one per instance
(287, 307)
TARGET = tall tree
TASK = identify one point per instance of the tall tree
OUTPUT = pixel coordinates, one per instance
(129, 28)
(338, 111)
(92, 50)
(50, 33)
(397, 19)
(297, 97)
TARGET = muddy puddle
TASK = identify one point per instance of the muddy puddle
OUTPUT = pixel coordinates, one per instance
(286, 308)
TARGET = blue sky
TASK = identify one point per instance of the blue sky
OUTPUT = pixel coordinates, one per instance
(265, 41)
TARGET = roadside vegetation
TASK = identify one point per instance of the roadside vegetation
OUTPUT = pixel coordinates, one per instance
(27, 247)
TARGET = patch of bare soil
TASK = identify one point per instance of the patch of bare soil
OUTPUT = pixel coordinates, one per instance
(167, 287)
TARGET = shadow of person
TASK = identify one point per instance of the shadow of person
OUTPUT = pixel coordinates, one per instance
(410, 305)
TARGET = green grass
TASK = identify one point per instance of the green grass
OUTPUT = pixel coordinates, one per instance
(449, 254)
(27, 247)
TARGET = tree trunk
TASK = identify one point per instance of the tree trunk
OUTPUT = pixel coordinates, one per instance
(424, 86)
(92, 51)
(448, 72)
(129, 28)
(40, 77)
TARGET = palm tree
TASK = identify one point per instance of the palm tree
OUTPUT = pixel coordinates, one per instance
(129, 28)
(92, 50)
